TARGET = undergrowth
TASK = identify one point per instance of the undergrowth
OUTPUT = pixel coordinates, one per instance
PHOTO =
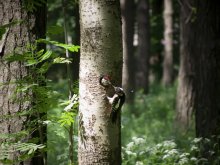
(151, 116)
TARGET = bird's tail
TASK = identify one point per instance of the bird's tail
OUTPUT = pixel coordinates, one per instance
(114, 116)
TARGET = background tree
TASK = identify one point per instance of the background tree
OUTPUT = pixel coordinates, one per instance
(156, 50)
(168, 43)
(101, 52)
(186, 89)
(199, 76)
(143, 48)
(16, 39)
(128, 20)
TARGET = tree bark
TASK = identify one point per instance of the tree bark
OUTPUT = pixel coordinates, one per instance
(185, 90)
(128, 19)
(15, 40)
(143, 49)
(199, 76)
(101, 53)
(168, 43)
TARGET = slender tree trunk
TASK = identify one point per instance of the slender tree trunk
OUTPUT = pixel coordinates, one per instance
(101, 53)
(15, 40)
(185, 90)
(143, 49)
(168, 43)
(128, 79)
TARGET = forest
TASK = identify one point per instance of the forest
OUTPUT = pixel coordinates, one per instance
(109, 82)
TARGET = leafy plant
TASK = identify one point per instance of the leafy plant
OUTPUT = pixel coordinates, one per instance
(34, 89)
(27, 150)
(150, 116)
(139, 152)
(70, 111)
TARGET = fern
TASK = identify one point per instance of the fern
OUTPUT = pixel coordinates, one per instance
(25, 150)
(71, 48)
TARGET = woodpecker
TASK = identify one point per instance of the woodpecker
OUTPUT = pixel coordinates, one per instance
(105, 81)
(116, 102)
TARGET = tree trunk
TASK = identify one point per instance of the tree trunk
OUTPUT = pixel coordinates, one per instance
(199, 77)
(143, 49)
(185, 90)
(168, 43)
(206, 50)
(128, 79)
(101, 53)
(15, 40)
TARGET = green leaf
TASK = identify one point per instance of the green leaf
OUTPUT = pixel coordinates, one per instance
(31, 62)
(26, 87)
(30, 151)
(14, 57)
(67, 118)
(44, 68)
(54, 30)
(46, 55)
(61, 60)
(70, 47)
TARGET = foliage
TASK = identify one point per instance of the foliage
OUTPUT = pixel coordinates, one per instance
(34, 90)
(32, 5)
(139, 152)
(69, 47)
(151, 116)
(58, 127)
(149, 137)
(27, 150)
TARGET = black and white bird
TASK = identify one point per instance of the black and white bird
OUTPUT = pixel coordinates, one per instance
(116, 102)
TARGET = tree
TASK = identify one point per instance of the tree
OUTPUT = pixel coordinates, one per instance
(143, 49)
(24, 25)
(101, 53)
(199, 88)
(128, 19)
(168, 43)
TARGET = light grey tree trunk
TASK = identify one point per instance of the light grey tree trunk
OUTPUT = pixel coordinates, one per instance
(168, 43)
(143, 49)
(101, 53)
(15, 40)
(128, 19)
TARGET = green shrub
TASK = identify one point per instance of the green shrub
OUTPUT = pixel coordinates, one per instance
(139, 152)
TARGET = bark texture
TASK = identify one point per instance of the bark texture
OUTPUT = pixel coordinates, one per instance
(199, 76)
(143, 49)
(128, 19)
(101, 53)
(168, 43)
(15, 40)
(185, 90)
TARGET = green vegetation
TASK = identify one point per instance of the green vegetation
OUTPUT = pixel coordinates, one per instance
(151, 116)
(148, 135)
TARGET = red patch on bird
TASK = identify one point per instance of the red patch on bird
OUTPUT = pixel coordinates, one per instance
(107, 77)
